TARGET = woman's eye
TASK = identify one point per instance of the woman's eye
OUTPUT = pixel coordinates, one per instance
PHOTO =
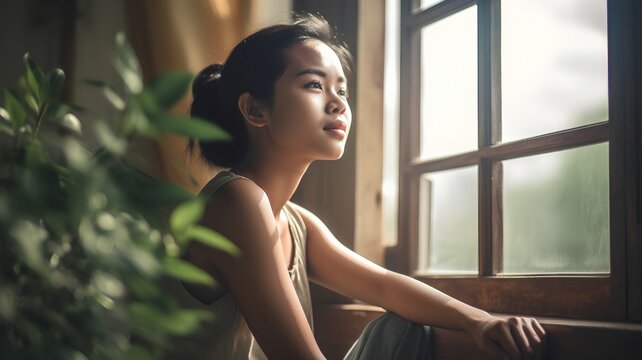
(315, 85)
(319, 86)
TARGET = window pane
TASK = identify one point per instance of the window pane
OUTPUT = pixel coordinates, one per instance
(556, 212)
(554, 66)
(449, 85)
(424, 4)
(448, 221)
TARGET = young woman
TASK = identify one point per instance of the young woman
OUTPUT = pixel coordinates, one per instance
(282, 95)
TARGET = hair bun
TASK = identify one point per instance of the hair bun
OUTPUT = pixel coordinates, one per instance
(207, 80)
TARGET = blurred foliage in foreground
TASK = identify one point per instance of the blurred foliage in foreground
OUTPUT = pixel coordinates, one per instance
(84, 236)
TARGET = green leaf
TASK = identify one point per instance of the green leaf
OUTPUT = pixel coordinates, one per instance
(133, 82)
(136, 119)
(186, 214)
(185, 271)
(32, 102)
(5, 128)
(109, 93)
(189, 126)
(127, 65)
(148, 103)
(25, 129)
(179, 322)
(71, 122)
(110, 141)
(52, 85)
(142, 258)
(169, 88)
(34, 76)
(137, 352)
(4, 115)
(14, 108)
(56, 112)
(28, 93)
(35, 156)
(30, 238)
(22, 84)
(141, 188)
(212, 238)
(143, 287)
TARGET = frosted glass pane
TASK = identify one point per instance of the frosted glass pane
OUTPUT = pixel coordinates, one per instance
(556, 212)
(449, 85)
(448, 222)
(424, 4)
(554, 65)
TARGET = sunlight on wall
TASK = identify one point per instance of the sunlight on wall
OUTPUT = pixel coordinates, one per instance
(390, 187)
(272, 12)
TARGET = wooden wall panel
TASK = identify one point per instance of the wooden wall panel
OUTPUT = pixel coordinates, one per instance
(328, 187)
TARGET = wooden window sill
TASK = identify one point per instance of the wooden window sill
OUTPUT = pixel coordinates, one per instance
(337, 326)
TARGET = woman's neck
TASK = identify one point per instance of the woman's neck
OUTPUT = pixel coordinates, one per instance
(278, 177)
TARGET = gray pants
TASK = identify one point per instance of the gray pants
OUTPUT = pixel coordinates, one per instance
(391, 337)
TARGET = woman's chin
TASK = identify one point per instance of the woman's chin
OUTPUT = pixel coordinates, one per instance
(336, 155)
(329, 151)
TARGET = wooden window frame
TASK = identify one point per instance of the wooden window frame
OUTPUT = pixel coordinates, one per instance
(616, 296)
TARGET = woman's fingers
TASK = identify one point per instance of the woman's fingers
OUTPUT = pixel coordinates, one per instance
(539, 346)
(534, 335)
(531, 333)
(507, 342)
(517, 329)
(515, 338)
(533, 339)
(539, 329)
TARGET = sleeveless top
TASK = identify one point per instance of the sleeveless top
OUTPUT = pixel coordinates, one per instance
(230, 334)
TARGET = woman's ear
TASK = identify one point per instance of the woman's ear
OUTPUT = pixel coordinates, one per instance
(252, 110)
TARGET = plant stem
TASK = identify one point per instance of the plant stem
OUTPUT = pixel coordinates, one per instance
(39, 119)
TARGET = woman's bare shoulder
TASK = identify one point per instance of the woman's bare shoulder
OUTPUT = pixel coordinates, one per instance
(310, 220)
(237, 206)
(236, 195)
(258, 277)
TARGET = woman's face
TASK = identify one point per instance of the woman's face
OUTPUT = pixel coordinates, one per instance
(310, 114)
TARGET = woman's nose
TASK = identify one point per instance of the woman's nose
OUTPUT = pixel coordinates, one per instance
(336, 106)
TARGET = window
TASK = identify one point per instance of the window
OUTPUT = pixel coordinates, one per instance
(514, 188)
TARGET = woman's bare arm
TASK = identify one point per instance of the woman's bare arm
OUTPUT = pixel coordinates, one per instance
(258, 277)
(333, 265)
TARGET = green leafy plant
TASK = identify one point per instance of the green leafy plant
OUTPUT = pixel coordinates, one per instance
(84, 236)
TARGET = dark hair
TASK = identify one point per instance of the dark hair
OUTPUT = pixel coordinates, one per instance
(253, 66)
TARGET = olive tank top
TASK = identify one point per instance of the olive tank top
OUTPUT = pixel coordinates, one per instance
(230, 335)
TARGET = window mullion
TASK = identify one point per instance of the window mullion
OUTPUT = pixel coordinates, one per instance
(489, 133)
(403, 257)
(626, 250)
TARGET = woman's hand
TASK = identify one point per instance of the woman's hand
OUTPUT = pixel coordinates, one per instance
(511, 338)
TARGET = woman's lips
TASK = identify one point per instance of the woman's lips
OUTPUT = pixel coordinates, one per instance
(337, 128)
(337, 132)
